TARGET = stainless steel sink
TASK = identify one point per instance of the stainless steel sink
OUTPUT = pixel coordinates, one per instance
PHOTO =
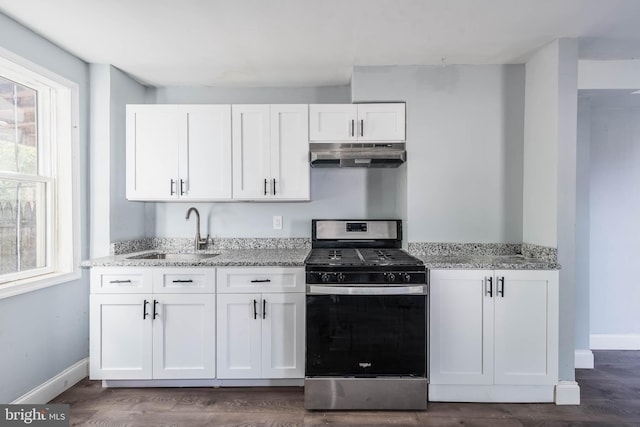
(177, 257)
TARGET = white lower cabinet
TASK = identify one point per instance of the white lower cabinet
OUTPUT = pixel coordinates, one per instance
(260, 334)
(142, 336)
(493, 335)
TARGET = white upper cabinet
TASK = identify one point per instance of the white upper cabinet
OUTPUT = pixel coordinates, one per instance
(333, 122)
(178, 152)
(270, 152)
(357, 122)
(153, 136)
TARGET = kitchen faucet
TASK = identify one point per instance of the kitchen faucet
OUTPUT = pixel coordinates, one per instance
(198, 243)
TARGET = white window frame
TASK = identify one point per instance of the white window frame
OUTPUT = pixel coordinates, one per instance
(58, 115)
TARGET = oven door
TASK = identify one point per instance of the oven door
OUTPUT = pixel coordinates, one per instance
(366, 332)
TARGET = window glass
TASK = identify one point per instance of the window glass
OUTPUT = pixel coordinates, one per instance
(18, 128)
(22, 223)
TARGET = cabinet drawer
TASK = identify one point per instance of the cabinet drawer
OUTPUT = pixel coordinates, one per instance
(260, 279)
(121, 280)
(182, 280)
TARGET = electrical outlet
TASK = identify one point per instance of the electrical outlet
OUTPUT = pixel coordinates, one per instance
(277, 222)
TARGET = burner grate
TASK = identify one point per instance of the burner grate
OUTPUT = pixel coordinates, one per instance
(335, 254)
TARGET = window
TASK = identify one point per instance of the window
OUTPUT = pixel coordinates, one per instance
(38, 139)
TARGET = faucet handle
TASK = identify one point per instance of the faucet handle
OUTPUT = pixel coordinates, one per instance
(202, 243)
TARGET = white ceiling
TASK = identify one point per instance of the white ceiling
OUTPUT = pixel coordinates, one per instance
(317, 42)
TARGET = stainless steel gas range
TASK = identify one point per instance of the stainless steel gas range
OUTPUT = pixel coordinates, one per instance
(366, 318)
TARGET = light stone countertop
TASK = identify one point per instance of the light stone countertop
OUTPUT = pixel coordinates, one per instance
(486, 262)
(225, 257)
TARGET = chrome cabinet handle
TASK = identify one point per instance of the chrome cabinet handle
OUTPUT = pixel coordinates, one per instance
(500, 290)
(155, 306)
(274, 186)
(264, 309)
(182, 187)
(255, 312)
(352, 127)
(488, 291)
(361, 127)
(265, 186)
(173, 182)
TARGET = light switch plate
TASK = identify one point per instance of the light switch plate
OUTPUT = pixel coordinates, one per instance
(277, 222)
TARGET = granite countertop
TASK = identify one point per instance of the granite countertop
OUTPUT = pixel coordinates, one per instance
(291, 252)
(488, 262)
(225, 257)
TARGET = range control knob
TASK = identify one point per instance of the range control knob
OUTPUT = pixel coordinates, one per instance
(407, 278)
(340, 277)
(391, 277)
(325, 277)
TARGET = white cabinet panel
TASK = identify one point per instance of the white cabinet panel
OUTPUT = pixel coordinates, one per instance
(251, 151)
(526, 318)
(332, 122)
(381, 122)
(494, 328)
(184, 337)
(121, 280)
(153, 137)
(178, 152)
(283, 329)
(239, 336)
(260, 279)
(289, 163)
(461, 320)
(181, 280)
(357, 122)
(270, 152)
(205, 160)
(120, 337)
(166, 335)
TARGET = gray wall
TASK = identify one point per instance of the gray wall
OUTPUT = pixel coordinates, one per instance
(614, 213)
(45, 331)
(334, 192)
(128, 220)
(582, 225)
(550, 172)
(463, 178)
(115, 218)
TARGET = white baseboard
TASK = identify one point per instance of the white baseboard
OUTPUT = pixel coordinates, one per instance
(584, 359)
(614, 341)
(567, 393)
(56, 385)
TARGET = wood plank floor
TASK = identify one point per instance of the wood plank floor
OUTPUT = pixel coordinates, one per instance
(610, 396)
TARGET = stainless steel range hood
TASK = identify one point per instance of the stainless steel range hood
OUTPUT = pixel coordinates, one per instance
(347, 155)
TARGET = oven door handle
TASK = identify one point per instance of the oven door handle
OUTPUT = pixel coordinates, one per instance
(367, 290)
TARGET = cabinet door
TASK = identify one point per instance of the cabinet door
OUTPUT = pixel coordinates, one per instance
(184, 336)
(153, 138)
(333, 122)
(283, 324)
(251, 151)
(120, 337)
(461, 327)
(205, 158)
(289, 178)
(239, 336)
(526, 327)
(381, 122)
